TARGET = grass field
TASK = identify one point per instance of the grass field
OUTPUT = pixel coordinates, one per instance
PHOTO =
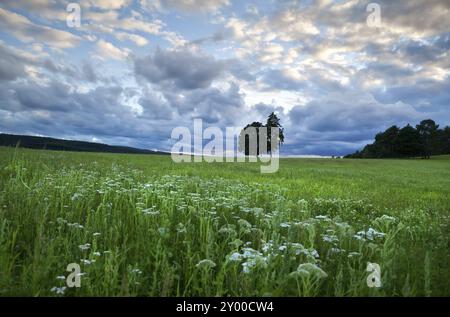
(144, 226)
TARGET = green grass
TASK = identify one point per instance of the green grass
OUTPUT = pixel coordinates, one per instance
(156, 228)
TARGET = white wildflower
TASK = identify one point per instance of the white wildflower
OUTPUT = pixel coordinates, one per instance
(84, 247)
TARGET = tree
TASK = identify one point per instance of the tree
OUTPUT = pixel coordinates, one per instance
(244, 137)
(274, 122)
(409, 144)
(427, 130)
(424, 140)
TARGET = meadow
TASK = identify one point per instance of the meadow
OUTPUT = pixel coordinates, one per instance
(141, 225)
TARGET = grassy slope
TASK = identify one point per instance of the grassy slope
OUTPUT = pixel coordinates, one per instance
(416, 192)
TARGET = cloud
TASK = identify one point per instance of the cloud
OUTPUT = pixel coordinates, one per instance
(334, 81)
(350, 111)
(137, 39)
(11, 64)
(26, 31)
(107, 50)
(185, 5)
(106, 4)
(182, 69)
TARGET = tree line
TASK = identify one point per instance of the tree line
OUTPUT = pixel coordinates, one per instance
(424, 140)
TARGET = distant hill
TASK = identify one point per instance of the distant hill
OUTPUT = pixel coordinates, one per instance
(44, 143)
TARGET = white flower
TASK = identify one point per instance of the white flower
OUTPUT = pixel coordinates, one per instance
(235, 257)
(282, 248)
(372, 234)
(310, 269)
(58, 290)
(330, 238)
(97, 253)
(336, 250)
(96, 234)
(84, 247)
(314, 253)
(75, 196)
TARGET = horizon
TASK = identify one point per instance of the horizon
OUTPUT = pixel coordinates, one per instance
(134, 70)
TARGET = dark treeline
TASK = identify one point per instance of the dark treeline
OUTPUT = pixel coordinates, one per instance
(44, 143)
(424, 140)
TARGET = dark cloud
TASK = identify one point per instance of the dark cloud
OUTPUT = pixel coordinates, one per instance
(11, 64)
(213, 105)
(180, 69)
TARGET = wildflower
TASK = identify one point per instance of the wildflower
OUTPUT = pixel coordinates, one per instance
(267, 246)
(310, 269)
(61, 220)
(75, 196)
(285, 225)
(314, 253)
(244, 224)
(353, 254)
(235, 257)
(58, 290)
(336, 250)
(96, 234)
(330, 238)
(299, 248)
(97, 253)
(282, 248)
(372, 234)
(84, 247)
(163, 231)
(205, 264)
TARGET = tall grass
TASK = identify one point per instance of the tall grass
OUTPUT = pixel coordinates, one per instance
(144, 226)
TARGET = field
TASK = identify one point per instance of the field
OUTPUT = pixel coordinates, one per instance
(141, 225)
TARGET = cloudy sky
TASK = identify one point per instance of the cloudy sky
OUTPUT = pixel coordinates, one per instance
(135, 69)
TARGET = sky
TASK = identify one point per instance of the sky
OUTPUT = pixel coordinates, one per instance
(135, 69)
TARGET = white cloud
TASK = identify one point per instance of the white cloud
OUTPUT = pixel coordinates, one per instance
(107, 50)
(26, 31)
(185, 5)
(137, 39)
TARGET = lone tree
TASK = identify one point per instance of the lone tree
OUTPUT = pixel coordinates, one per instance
(244, 139)
(250, 149)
